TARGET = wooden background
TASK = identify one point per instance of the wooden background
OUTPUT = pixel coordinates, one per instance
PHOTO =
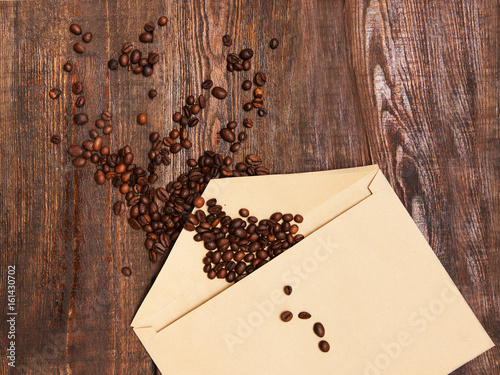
(411, 85)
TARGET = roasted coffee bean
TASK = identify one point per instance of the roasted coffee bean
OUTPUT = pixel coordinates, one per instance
(190, 100)
(77, 88)
(108, 129)
(100, 177)
(258, 93)
(80, 118)
(253, 160)
(177, 117)
(119, 208)
(127, 47)
(244, 212)
(146, 37)
(106, 116)
(152, 93)
(286, 316)
(246, 85)
(319, 330)
(298, 218)
(219, 93)
(135, 56)
(235, 147)
(55, 93)
(262, 112)
(149, 27)
(79, 162)
(100, 123)
(147, 71)
(143, 62)
(55, 139)
(304, 315)
(162, 21)
(274, 43)
(80, 101)
(246, 54)
(324, 346)
(260, 79)
(232, 125)
(123, 60)
(258, 103)
(75, 29)
(68, 67)
(242, 136)
(113, 64)
(75, 151)
(207, 85)
(153, 58)
(247, 65)
(287, 289)
(195, 109)
(227, 135)
(202, 101)
(248, 123)
(126, 271)
(87, 37)
(141, 119)
(186, 143)
(175, 148)
(227, 40)
(233, 58)
(78, 48)
(230, 67)
(247, 107)
(138, 69)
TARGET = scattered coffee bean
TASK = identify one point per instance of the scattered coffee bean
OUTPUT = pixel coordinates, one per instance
(80, 101)
(262, 112)
(55, 139)
(127, 47)
(68, 67)
(227, 135)
(55, 93)
(248, 123)
(253, 160)
(287, 289)
(304, 315)
(247, 107)
(235, 147)
(87, 37)
(152, 93)
(77, 88)
(274, 43)
(135, 56)
(149, 27)
(126, 271)
(119, 208)
(146, 37)
(227, 40)
(286, 316)
(219, 93)
(147, 71)
(207, 84)
(80, 118)
(258, 93)
(319, 330)
(99, 123)
(162, 21)
(260, 79)
(153, 58)
(324, 346)
(202, 101)
(199, 202)
(244, 212)
(106, 116)
(141, 119)
(78, 48)
(113, 64)
(75, 29)
(75, 151)
(108, 129)
(246, 54)
(298, 218)
(246, 85)
(123, 60)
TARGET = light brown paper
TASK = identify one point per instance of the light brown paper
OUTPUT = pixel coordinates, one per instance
(369, 276)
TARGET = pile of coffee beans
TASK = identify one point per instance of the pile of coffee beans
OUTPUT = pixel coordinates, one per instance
(318, 328)
(238, 246)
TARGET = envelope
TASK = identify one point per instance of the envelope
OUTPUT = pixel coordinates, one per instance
(364, 271)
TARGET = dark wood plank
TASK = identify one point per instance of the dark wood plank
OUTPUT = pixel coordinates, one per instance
(411, 87)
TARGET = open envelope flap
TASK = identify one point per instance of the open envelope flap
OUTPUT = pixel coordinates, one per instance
(182, 286)
(369, 276)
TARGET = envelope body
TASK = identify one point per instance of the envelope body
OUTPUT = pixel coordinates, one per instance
(364, 271)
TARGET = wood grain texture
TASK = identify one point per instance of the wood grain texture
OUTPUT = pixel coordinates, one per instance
(410, 85)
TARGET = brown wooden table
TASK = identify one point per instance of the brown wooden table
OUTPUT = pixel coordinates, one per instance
(410, 85)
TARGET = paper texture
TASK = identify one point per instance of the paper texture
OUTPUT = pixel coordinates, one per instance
(368, 275)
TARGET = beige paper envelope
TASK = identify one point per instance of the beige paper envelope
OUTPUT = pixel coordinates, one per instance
(368, 275)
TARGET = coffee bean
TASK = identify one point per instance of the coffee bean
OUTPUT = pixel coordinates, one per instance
(175, 148)
(260, 79)
(274, 43)
(135, 56)
(247, 107)
(153, 58)
(99, 123)
(253, 160)
(78, 48)
(319, 330)
(246, 54)
(219, 93)
(77, 88)
(55, 93)
(235, 147)
(100, 177)
(258, 93)
(87, 37)
(123, 60)
(127, 47)
(298, 218)
(75, 151)
(287, 289)
(244, 212)
(79, 162)
(162, 21)
(262, 112)
(108, 129)
(113, 64)
(68, 67)
(143, 62)
(80, 101)
(149, 27)
(286, 316)
(202, 101)
(233, 58)
(227, 135)
(242, 137)
(247, 123)
(75, 29)
(230, 67)
(227, 40)
(258, 103)
(247, 65)
(324, 346)
(207, 84)
(80, 119)
(304, 315)
(119, 208)
(147, 71)
(146, 37)
(141, 119)
(246, 85)
(152, 93)
(55, 139)
(126, 271)
(106, 116)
